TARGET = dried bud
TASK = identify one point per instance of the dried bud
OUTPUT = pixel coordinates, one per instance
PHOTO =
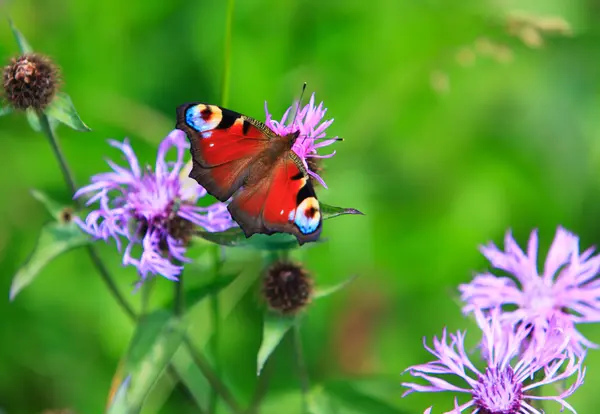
(66, 215)
(287, 287)
(30, 81)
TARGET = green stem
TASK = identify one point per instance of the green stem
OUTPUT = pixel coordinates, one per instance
(301, 365)
(213, 379)
(70, 181)
(112, 287)
(216, 324)
(179, 297)
(227, 58)
(62, 162)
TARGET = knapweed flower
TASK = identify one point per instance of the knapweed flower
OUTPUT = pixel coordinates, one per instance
(287, 287)
(150, 209)
(30, 81)
(567, 289)
(508, 383)
(308, 121)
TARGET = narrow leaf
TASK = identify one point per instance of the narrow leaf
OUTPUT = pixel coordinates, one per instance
(62, 109)
(235, 237)
(323, 292)
(55, 239)
(156, 339)
(34, 121)
(118, 401)
(21, 41)
(191, 376)
(53, 206)
(330, 211)
(5, 110)
(274, 329)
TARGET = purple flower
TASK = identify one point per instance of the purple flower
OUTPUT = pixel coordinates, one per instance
(151, 209)
(567, 290)
(308, 122)
(507, 384)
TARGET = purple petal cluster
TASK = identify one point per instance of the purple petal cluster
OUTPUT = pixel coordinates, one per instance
(309, 121)
(150, 209)
(566, 290)
(514, 368)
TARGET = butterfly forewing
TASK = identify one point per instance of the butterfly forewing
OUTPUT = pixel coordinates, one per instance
(234, 155)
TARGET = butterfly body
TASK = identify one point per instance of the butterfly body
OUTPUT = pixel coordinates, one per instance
(240, 157)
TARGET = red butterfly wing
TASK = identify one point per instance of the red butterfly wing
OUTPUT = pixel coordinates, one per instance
(224, 144)
(282, 201)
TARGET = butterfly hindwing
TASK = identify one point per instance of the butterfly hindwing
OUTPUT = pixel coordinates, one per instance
(283, 201)
(223, 145)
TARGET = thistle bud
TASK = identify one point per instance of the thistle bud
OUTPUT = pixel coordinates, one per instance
(287, 287)
(30, 81)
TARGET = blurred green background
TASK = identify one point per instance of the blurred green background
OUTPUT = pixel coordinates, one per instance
(460, 121)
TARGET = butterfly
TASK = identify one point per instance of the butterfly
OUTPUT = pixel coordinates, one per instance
(237, 156)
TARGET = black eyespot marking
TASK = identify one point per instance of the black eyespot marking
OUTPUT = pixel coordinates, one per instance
(226, 121)
(310, 212)
(298, 176)
(245, 127)
(206, 113)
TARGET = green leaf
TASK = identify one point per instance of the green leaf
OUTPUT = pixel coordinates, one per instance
(62, 109)
(21, 41)
(195, 295)
(235, 237)
(191, 376)
(54, 207)
(323, 292)
(55, 239)
(319, 402)
(118, 404)
(34, 121)
(330, 211)
(5, 110)
(274, 329)
(156, 339)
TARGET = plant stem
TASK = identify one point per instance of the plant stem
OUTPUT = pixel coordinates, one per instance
(301, 365)
(227, 57)
(213, 379)
(62, 162)
(179, 297)
(216, 324)
(70, 181)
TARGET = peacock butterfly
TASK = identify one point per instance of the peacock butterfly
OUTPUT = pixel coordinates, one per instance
(235, 155)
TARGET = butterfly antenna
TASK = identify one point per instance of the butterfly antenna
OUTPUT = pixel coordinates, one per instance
(298, 104)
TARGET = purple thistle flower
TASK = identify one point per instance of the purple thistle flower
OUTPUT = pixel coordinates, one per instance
(505, 385)
(308, 122)
(567, 290)
(151, 209)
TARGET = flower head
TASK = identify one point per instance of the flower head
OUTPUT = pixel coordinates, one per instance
(150, 209)
(287, 287)
(308, 121)
(566, 290)
(30, 81)
(505, 385)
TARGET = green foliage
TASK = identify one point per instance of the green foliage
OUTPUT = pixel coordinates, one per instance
(442, 153)
(62, 109)
(157, 337)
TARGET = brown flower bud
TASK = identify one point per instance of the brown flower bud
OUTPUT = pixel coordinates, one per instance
(30, 81)
(287, 287)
